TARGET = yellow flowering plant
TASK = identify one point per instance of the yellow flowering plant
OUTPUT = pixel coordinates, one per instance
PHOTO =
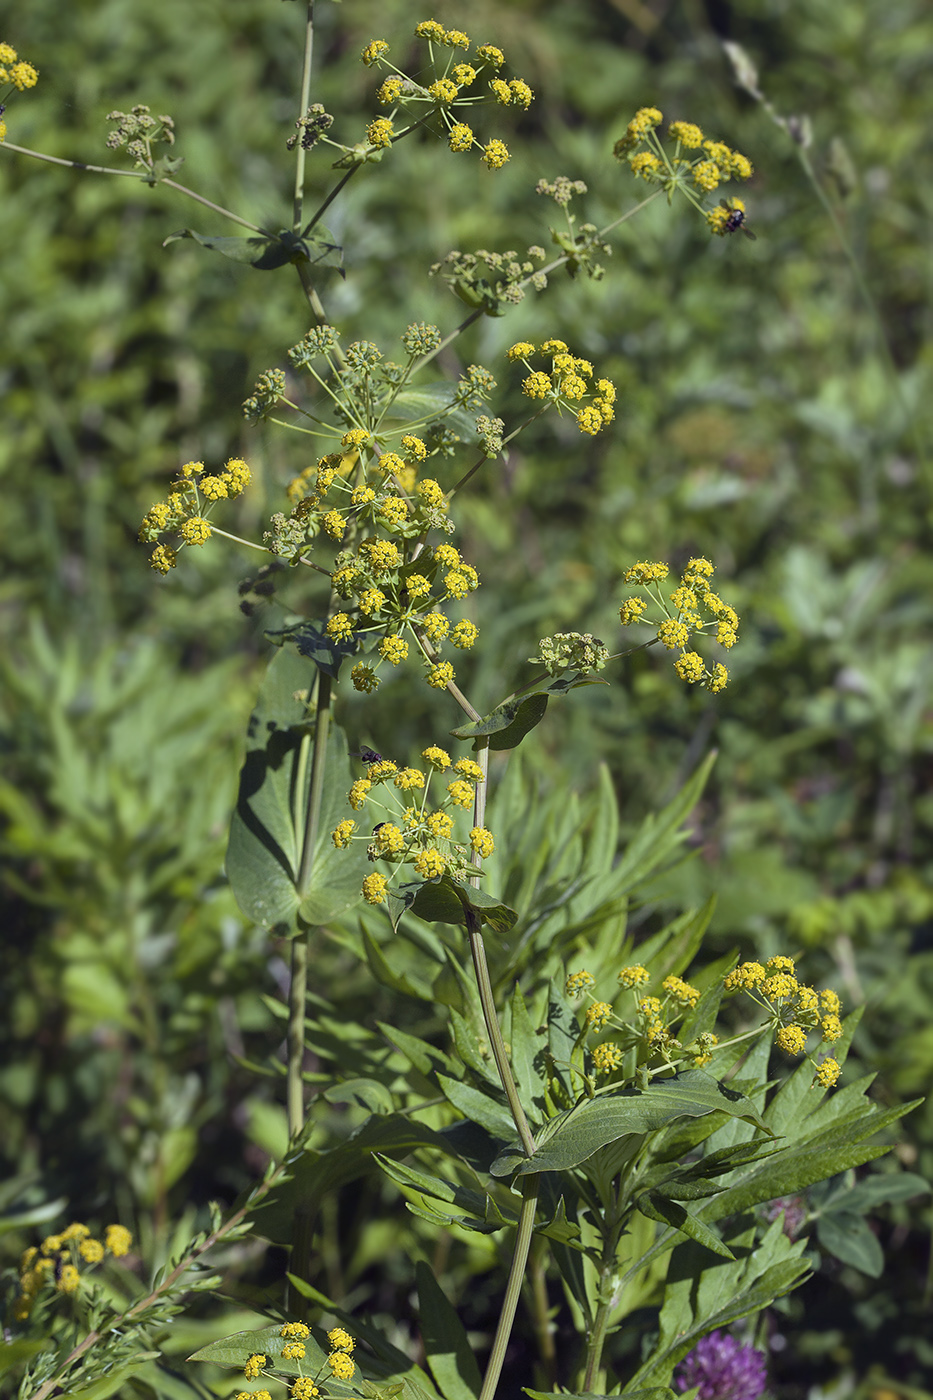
(617, 1133)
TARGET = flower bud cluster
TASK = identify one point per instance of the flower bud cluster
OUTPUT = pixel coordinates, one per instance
(191, 500)
(567, 385)
(445, 89)
(417, 834)
(491, 280)
(683, 617)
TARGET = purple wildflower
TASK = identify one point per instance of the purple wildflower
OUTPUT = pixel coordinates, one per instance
(723, 1369)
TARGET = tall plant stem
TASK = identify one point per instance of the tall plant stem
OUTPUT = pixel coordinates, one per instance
(523, 1238)
(303, 104)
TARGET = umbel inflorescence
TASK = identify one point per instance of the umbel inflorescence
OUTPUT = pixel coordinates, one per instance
(412, 831)
(688, 163)
(448, 91)
(647, 1033)
(16, 75)
(63, 1263)
(692, 610)
(336, 1365)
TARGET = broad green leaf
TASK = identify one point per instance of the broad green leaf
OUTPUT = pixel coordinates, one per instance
(310, 639)
(479, 1108)
(575, 1135)
(444, 901)
(848, 1236)
(384, 972)
(882, 1188)
(368, 1092)
(700, 1296)
(426, 403)
(317, 1173)
(267, 830)
(238, 1348)
(424, 1057)
(449, 1354)
(525, 1048)
(506, 726)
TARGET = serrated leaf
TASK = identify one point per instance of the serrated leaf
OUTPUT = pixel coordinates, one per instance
(506, 726)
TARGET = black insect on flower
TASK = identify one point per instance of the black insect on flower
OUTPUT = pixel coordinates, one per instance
(366, 755)
(735, 221)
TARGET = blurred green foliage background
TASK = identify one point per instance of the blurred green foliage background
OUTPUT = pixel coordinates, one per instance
(759, 423)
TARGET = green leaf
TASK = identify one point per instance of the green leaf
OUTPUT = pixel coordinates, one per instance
(449, 1354)
(445, 901)
(267, 251)
(267, 830)
(699, 1296)
(479, 1108)
(526, 1046)
(573, 1136)
(310, 639)
(14, 1354)
(237, 1349)
(368, 1092)
(654, 1392)
(657, 1206)
(432, 402)
(506, 725)
(848, 1236)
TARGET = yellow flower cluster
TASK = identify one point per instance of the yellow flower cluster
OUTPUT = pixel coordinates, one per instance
(15, 73)
(695, 175)
(578, 982)
(339, 1364)
(794, 1010)
(567, 384)
(450, 85)
(190, 502)
(379, 509)
(684, 617)
(423, 836)
(61, 1261)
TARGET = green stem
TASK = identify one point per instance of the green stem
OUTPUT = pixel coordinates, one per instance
(523, 1238)
(303, 103)
(316, 792)
(136, 175)
(297, 995)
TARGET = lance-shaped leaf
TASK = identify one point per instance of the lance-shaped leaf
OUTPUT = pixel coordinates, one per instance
(447, 1348)
(267, 251)
(434, 401)
(572, 1137)
(655, 1205)
(506, 726)
(267, 830)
